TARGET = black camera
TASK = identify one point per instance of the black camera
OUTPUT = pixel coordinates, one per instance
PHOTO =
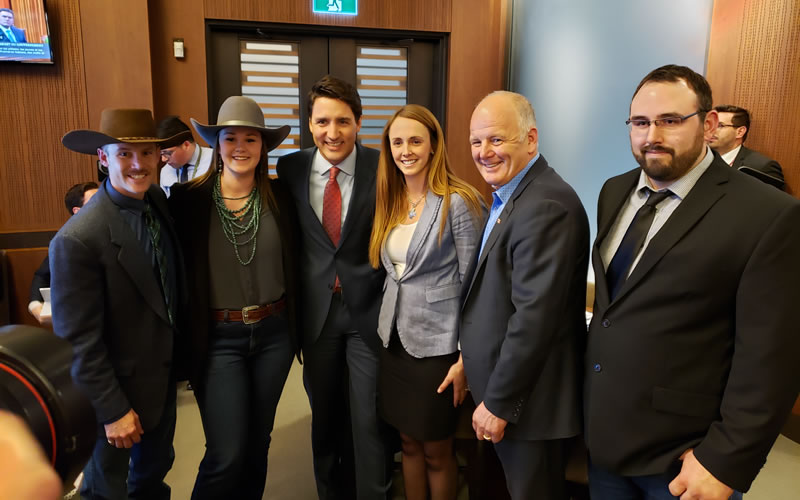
(35, 384)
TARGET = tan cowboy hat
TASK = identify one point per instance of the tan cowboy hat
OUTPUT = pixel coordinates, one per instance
(116, 125)
(238, 111)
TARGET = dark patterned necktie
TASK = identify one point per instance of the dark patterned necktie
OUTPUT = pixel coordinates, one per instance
(184, 173)
(154, 229)
(632, 242)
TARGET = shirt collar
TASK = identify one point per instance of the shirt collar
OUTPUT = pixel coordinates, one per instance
(682, 186)
(123, 201)
(731, 155)
(321, 166)
(505, 191)
(195, 155)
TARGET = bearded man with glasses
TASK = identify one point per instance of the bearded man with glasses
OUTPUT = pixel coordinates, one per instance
(691, 364)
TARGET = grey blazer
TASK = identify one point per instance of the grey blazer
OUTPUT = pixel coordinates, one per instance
(424, 301)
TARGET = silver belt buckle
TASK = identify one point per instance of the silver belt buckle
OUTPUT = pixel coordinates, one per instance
(246, 318)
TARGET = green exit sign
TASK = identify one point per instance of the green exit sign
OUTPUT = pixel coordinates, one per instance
(342, 7)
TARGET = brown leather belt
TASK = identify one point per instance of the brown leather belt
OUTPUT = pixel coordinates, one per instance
(249, 314)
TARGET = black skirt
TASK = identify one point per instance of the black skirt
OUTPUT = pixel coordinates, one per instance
(407, 397)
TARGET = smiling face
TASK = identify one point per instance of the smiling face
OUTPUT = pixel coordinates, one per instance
(240, 149)
(499, 148)
(334, 128)
(131, 167)
(411, 146)
(664, 154)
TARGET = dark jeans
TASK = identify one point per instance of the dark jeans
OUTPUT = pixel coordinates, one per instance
(138, 472)
(605, 485)
(247, 368)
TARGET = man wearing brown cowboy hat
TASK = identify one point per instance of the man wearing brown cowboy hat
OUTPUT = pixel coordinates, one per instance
(116, 295)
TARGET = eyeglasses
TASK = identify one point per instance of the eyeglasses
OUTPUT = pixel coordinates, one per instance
(723, 125)
(167, 152)
(667, 123)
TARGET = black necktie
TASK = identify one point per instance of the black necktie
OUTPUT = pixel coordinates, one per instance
(184, 173)
(154, 228)
(632, 242)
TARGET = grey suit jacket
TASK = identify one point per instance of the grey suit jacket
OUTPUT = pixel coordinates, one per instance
(424, 301)
(523, 324)
(107, 303)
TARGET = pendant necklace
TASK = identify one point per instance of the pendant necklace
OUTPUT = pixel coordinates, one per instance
(413, 212)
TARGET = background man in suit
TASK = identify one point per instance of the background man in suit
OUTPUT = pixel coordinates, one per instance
(523, 322)
(115, 294)
(75, 198)
(727, 140)
(184, 159)
(333, 185)
(8, 32)
(691, 366)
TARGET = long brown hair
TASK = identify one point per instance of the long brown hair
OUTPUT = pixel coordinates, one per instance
(262, 179)
(391, 198)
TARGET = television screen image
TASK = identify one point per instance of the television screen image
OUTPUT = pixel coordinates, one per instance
(24, 32)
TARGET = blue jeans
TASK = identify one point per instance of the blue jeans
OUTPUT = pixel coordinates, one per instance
(605, 485)
(135, 473)
(247, 368)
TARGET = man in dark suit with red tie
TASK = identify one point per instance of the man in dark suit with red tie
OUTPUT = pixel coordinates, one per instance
(333, 185)
(692, 357)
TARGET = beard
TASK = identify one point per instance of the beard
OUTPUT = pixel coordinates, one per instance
(669, 169)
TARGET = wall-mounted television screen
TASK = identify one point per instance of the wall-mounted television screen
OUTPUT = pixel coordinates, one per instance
(24, 32)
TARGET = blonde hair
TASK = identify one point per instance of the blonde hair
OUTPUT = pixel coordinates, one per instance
(391, 197)
(262, 179)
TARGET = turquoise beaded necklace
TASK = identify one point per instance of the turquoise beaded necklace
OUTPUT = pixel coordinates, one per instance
(244, 225)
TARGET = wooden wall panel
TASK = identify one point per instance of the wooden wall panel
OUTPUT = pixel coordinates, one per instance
(116, 45)
(41, 103)
(179, 85)
(419, 15)
(478, 45)
(21, 266)
(754, 62)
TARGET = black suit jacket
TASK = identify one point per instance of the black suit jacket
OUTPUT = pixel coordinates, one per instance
(191, 206)
(759, 166)
(700, 347)
(41, 279)
(523, 322)
(107, 302)
(320, 261)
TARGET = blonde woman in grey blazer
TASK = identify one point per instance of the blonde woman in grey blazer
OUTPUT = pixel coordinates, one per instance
(426, 230)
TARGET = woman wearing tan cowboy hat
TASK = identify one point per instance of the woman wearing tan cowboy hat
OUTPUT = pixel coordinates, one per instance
(236, 228)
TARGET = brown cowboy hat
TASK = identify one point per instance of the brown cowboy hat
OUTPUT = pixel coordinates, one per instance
(116, 125)
(238, 111)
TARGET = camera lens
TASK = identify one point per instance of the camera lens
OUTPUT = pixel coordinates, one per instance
(35, 384)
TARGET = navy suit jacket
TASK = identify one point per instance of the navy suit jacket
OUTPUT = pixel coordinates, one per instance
(523, 324)
(107, 302)
(19, 34)
(321, 261)
(699, 349)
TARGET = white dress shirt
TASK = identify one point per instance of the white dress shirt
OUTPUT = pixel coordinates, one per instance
(319, 178)
(198, 165)
(731, 155)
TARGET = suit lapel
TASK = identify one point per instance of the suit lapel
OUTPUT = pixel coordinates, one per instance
(433, 204)
(363, 181)
(708, 190)
(739, 160)
(499, 226)
(133, 260)
(617, 197)
(305, 213)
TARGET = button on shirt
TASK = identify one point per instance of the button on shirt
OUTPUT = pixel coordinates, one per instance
(319, 177)
(680, 189)
(499, 199)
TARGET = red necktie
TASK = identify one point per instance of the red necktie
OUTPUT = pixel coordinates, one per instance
(332, 211)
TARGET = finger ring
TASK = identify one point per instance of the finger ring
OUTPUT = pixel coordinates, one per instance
(487, 437)
(110, 442)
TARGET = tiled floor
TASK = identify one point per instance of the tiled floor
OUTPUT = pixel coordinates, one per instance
(291, 476)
